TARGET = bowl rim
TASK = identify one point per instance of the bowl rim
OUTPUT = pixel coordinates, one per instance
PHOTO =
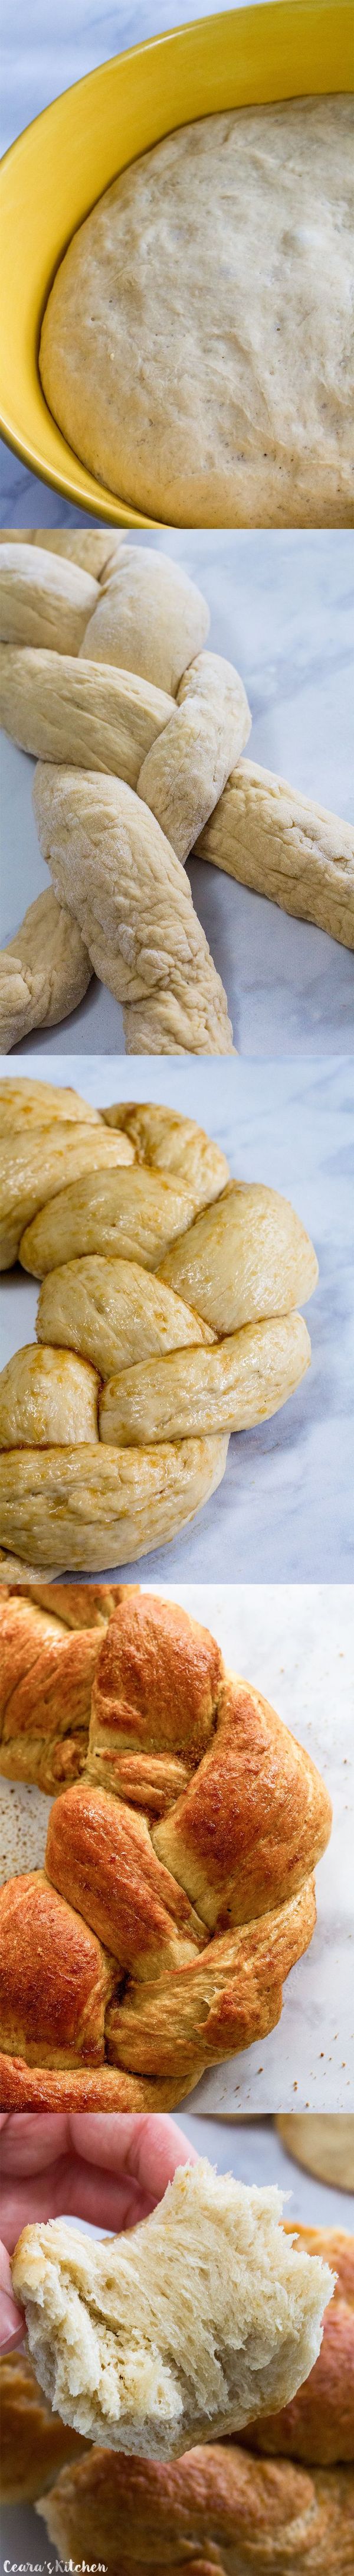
(72, 480)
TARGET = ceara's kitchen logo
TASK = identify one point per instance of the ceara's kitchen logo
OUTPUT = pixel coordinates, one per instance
(55, 2567)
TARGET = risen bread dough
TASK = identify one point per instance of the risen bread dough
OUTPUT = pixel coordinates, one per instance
(50, 1396)
(195, 347)
(169, 2332)
(34, 1163)
(96, 1505)
(246, 1378)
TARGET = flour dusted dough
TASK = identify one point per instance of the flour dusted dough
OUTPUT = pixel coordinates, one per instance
(195, 347)
(74, 711)
(112, 866)
(44, 972)
(282, 844)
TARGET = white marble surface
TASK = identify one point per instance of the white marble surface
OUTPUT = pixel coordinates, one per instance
(282, 609)
(296, 1645)
(255, 2154)
(284, 1510)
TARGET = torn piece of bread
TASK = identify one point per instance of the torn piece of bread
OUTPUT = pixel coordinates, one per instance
(178, 2331)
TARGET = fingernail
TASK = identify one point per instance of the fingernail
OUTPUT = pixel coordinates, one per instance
(11, 2322)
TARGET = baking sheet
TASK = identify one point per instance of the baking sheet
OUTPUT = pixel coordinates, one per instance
(284, 1510)
(296, 1645)
(281, 609)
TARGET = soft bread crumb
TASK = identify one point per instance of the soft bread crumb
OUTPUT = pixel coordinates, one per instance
(179, 2331)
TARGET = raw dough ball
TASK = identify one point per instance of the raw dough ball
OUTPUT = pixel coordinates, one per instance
(195, 346)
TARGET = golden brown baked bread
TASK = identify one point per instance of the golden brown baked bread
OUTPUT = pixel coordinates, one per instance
(322, 2141)
(191, 1881)
(49, 1642)
(34, 2442)
(77, 1605)
(217, 2512)
(318, 2424)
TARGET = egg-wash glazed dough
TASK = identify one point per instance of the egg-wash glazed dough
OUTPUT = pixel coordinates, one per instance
(195, 349)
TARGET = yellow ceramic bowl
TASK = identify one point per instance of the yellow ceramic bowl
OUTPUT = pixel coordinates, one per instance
(61, 164)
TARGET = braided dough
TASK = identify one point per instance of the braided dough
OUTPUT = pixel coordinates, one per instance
(112, 866)
(96, 549)
(166, 1319)
(80, 712)
(232, 2514)
(167, 721)
(160, 2335)
(178, 1887)
(34, 1163)
(44, 601)
(44, 972)
(270, 837)
(149, 618)
(195, 346)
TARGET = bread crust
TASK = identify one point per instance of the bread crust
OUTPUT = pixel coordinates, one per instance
(34, 2442)
(318, 2425)
(179, 1889)
(216, 2509)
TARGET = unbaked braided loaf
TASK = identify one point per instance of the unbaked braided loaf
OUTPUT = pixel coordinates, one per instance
(178, 1884)
(115, 680)
(137, 730)
(166, 1320)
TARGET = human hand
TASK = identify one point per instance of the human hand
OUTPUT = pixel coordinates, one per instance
(110, 2168)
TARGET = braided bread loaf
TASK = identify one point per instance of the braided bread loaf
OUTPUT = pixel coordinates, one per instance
(214, 2513)
(166, 1319)
(34, 2441)
(178, 1884)
(318, 2424)
(138, 728)
(50, 1637)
